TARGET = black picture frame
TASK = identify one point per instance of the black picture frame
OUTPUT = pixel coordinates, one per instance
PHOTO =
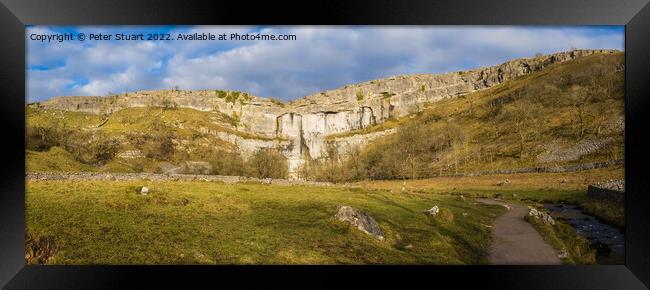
(15, 14)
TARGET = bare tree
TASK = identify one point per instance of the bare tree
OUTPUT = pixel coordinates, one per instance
(523, 128)
(581, 99)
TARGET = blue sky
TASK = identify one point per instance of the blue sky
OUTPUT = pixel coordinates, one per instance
(322, 57)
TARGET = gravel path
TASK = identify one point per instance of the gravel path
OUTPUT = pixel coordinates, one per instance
(515, 241)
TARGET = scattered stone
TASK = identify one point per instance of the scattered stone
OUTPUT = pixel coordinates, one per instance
(514, 195)
(506, 206)
(433, 211)
(409, 246)
(361, 220)
(503, 182)
(464, 214)
(144, 190)
(199, 255)
(563, 254)
(556, 153)
(537, 214)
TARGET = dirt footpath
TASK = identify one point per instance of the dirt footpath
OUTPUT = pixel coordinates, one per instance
(515, 241)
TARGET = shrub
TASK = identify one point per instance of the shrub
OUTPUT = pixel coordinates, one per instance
(158, 144)
(42, 138)
(360, 96)
(333, 166)
(159, 147)
(39, 249)
(226, 163)
(446, 215)
(235, 119)
(267, 163)
(221, 94)
(91, 148)
(410, 152)
(277, 102)
(232, 97)
(168, 104)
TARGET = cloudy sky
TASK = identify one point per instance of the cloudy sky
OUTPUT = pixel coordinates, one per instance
(320, 58)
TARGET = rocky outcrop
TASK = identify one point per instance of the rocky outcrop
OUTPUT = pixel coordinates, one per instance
(306, 122)
(540, 215)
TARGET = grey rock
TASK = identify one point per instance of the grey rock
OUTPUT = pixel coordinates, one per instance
(538, 214)
(144, 190)
(361, 220)
(433, 211)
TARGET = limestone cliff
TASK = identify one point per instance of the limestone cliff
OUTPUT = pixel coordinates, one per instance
(306, 122)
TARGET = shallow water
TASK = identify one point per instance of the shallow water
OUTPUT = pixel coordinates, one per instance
(609, 241)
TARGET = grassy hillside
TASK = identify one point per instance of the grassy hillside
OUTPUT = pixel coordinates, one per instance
(156, 137)
(567, 113)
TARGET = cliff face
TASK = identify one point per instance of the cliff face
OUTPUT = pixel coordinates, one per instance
(307, 121)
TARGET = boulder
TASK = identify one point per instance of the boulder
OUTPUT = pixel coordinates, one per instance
(144, 190)
(361, 220)
(433, 211)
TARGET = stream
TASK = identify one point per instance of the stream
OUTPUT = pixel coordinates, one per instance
(609, 241)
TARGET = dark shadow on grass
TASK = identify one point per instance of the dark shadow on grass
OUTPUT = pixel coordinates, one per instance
(386, 200)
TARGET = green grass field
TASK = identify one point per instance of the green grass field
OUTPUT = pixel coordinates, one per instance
(109, 222)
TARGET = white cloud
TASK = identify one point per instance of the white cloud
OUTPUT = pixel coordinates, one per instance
(321, 58)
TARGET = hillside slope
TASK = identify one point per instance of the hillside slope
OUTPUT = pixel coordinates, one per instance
(568, 113)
